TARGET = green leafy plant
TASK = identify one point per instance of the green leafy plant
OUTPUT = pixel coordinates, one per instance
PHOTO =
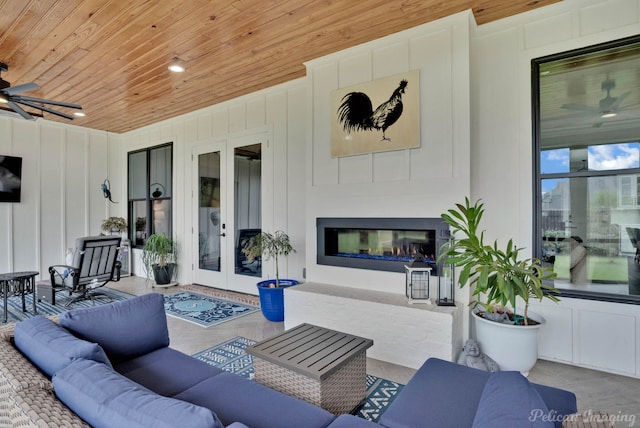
(268, 246)
(498, 276)
(158, 250)
(117, 224)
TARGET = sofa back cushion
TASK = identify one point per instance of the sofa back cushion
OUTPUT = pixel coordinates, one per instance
(51, 348)
(509, 400)
(125, 329)
(104, 398)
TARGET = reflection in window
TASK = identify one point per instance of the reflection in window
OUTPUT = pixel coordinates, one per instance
(587, 221)
(247, 167)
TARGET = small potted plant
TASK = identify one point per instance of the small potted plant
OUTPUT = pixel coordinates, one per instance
(114, 224)
(498, 277)
(159, 255)
(270, 245)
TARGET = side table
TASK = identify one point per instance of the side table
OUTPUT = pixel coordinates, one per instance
(321, 366)
(18, 283)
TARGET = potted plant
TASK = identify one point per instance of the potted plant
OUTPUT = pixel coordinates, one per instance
(267, 246)
(159, 255)
(114, 224)
(498, 277)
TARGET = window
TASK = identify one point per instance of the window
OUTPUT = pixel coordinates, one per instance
(587, 169)
(150, 192)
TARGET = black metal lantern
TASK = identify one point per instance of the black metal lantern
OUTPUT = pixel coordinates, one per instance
(417, 275)
(446, 286)
(446, 277)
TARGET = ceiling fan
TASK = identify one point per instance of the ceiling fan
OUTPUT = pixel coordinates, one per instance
(607, 107)
(9, 96)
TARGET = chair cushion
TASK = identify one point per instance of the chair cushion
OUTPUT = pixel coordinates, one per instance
(51, 347)
(104, 398)
(125, 329)
(509, 400)
(157, 371)
(230, 396)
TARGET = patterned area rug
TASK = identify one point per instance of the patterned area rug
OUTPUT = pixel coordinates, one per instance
(230, 356)
(204, 310)
(62, 297)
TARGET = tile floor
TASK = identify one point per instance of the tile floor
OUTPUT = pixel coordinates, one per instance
(617, 395)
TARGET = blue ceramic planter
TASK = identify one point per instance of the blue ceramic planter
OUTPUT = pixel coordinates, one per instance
(272, 299)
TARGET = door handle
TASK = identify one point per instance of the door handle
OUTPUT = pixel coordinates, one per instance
(222, 234)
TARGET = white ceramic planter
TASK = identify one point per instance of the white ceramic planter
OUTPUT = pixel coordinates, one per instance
(513, 347)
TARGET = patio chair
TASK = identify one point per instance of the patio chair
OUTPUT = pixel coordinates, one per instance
(95, 263)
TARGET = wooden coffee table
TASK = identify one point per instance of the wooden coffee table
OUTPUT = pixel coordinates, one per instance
(321, 366)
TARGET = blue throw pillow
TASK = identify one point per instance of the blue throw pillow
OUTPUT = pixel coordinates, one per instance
(509, 400)
(51, 347)
(125, 329)
(106, 399)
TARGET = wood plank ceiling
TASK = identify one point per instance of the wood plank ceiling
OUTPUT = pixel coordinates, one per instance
(111, 56)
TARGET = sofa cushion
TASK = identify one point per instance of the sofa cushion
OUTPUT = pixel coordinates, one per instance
(230, 396)
(104, 398)
(437, 385)
(124, 329)
(509, 400)
(51, 347)
(158, 371)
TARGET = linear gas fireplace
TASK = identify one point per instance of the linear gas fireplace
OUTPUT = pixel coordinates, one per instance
(386, 244)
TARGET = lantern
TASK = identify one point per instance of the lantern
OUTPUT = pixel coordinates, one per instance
(417, 275)
(446, 274)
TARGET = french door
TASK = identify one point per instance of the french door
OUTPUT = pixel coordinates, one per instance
(227, 210)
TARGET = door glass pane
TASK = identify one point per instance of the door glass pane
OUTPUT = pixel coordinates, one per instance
(209, 227)
(247, 204)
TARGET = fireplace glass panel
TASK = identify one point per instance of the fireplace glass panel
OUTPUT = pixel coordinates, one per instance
(381, 244)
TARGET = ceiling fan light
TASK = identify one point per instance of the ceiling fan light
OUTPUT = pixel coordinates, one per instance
(4, 99)
(176, 68)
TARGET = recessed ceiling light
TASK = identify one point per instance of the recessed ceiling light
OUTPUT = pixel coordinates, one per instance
(176, 68)
(79, 114)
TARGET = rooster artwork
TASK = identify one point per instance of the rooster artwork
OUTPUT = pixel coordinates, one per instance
(356, 111)
(377, 116)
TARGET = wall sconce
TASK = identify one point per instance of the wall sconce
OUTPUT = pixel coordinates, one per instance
(158, 192)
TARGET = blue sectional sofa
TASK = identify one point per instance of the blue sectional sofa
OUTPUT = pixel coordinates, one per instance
(113, 367)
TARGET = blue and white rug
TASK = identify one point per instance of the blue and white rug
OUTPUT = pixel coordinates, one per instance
(204, 310)
(62, 297)
(230, 356)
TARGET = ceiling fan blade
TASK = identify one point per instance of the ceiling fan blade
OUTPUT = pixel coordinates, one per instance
(26, 87)
(20, 110)
(619, 100)
(44, 108)
(580, 107)
(20, 98)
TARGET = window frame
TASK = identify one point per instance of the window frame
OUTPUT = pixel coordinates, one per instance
(148, 198)
(538, 176)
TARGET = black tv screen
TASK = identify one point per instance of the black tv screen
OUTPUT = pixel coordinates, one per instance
(10, 178)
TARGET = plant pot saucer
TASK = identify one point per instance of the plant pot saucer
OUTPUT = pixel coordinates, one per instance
(171, 284)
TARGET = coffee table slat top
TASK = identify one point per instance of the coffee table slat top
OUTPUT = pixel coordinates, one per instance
(313, 351)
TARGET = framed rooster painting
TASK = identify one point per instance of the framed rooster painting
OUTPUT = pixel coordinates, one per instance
(377, 116)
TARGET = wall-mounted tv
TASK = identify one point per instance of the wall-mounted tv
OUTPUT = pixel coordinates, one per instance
(10, 178)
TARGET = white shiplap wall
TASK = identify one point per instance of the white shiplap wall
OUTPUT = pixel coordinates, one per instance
(605, 336)
(280, 111)
(63, 167)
